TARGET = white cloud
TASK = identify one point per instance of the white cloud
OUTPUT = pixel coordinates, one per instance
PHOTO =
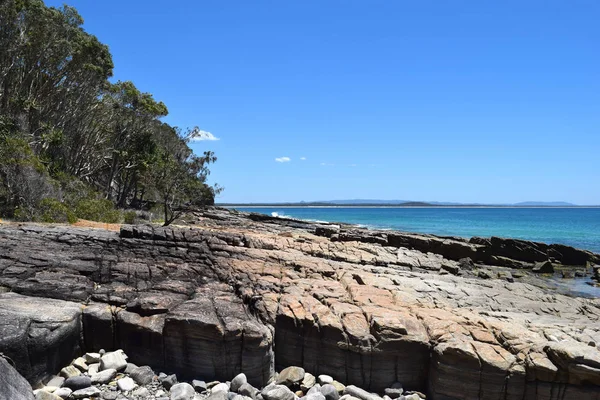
(327, 164)
(303, 158)
(283, 159)
(198, 135)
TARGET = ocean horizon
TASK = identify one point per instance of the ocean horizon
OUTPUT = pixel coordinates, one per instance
(573, 226)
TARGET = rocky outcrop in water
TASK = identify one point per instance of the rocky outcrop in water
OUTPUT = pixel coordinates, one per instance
(230, 294)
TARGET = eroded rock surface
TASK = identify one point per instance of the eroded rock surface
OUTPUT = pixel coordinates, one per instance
(232, 293)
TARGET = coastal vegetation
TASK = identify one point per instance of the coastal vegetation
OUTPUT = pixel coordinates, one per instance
(73, 143)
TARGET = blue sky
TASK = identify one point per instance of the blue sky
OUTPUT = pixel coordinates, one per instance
(466, 101)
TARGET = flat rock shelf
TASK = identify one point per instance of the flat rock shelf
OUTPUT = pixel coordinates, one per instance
(224, 293)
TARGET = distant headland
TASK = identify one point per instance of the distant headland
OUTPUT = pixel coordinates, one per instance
(399, 203)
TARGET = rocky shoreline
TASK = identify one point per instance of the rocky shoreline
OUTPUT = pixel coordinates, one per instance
(228, 293)
(109, 376)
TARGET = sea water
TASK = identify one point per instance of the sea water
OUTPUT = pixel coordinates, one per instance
(577, 227)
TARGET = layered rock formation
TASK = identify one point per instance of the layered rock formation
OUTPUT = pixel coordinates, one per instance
(232, 292)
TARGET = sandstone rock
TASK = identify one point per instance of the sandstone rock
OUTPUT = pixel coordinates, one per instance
(338, 386)
(182, 391)
(113, 360)
(69, 372)
(92, 358)
(126, 384)
(80, 364)
(104, 376)
(12, 385)
(290, 376)
(308, 381)
(237, 382)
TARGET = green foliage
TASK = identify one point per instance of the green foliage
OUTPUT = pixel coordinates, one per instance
(69, 134)
(52, 210)
(97, 210)
(129, 217)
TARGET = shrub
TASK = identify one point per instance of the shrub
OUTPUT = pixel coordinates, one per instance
(52, 210)
(97, 210)
(129, 217)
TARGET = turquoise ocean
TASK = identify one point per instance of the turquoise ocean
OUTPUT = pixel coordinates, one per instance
(577, 227)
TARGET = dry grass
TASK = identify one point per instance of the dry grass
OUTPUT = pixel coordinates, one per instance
(82, 223)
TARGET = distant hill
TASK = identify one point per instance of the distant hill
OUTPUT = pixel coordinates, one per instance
(403, 203)
(545, 204)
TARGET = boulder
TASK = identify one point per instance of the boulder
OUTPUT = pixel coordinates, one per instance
(544, 267)
(13, 386)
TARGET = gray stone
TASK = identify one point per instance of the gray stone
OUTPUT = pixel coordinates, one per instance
(219, 395)
(129, 368)
(199, 386)
(104, 376)
(315, 396)
(315, 389)
(80, 364)
(168, 381)
(360, 393)
(308, 382)
(113, 360)
(237, 382)
(110, 395)
(78, 382)
(43, 395)
(142, 375)
(92, 358)
(394, 393)
(277, 392)
(220, 387)
(330, 392)
(248, 390)
(126, 384)
(63, 392)
(290, 376)
(93, 368)
(56, 381)
(91, 391)
(141, 392)
(182, 391)
(325, 379)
